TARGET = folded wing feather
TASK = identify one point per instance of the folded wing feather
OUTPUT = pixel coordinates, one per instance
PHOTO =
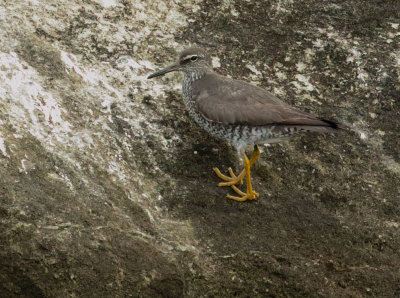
(229, 101)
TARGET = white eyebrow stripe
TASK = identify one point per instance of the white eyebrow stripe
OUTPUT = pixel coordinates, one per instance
(188, 57)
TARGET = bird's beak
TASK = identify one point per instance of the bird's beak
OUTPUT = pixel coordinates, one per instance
(161, 72)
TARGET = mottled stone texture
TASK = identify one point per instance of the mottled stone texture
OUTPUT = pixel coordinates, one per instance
(106, 185)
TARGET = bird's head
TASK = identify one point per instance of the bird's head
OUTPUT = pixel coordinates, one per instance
(190, 60)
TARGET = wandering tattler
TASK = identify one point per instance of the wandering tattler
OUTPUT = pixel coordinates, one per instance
(239, 113)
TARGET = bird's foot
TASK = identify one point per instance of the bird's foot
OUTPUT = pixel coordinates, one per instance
(250, 195)
(232, 180)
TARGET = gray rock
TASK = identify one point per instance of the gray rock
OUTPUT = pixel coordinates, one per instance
(106, 184)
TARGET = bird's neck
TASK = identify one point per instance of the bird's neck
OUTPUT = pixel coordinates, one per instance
(194, 74)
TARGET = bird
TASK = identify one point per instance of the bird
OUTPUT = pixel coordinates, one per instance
(239, 113)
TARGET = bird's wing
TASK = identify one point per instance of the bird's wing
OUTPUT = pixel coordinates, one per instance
(229, 101)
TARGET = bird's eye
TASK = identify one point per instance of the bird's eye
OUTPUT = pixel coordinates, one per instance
(193, 58)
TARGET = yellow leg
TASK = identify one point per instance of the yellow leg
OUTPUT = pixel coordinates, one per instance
(250, 194)
(230, 180)
(237, 179)
(238, 191)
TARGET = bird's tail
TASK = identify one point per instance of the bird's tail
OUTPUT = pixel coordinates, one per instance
(328, 126)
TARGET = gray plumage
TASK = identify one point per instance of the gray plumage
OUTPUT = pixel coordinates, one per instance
(235, 111)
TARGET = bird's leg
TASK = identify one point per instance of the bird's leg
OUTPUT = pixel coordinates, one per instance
(237, 179)
(250, 194)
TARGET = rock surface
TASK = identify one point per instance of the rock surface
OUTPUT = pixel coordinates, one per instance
(106, 185)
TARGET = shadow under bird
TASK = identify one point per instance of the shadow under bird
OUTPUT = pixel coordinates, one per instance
(239, 113)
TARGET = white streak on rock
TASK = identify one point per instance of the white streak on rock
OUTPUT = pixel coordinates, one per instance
(215, 62)
(300, 66)
(253, 69)
(304, 83)
(354, 55)
(31, 108)
(107, 3)
(3, 146)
